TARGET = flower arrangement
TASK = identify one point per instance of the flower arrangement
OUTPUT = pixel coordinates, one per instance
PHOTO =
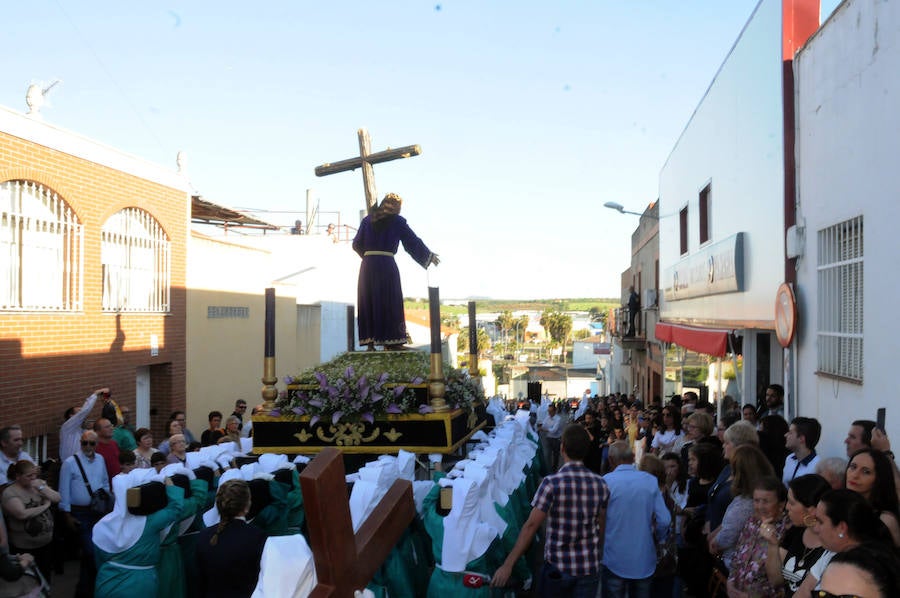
(357, 387)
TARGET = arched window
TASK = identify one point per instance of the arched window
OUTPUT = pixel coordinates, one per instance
(136, 268)
(41, 250)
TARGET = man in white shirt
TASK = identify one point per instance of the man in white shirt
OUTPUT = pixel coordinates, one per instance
(551, 429)
(76, 500)
(71, 429)
(11, 449)
(801, 440)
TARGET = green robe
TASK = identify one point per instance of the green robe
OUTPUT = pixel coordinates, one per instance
(170, 570)
(406, 571)
(284, 515)
(444, 584)
(121, 582)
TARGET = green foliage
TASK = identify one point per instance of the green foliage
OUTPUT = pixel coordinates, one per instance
(505, 321)
(557, 324)
(450, 321)
(462, 341)
(500, 305)
(362, 386)
(694, 375)
(523, 324)
(580, 334)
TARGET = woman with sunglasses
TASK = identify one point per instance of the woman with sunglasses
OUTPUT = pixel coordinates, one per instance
(870, 570)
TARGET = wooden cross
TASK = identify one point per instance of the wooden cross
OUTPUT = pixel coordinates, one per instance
(366, 159)
(346, 561)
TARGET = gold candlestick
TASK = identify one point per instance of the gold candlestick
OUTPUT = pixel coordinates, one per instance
(269, 392)
(436, 385)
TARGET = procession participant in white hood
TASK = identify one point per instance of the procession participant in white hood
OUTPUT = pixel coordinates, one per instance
(460, 540)
(170, 569)
(126, 546)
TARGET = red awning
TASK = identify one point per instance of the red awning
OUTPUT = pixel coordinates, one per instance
(709, 341)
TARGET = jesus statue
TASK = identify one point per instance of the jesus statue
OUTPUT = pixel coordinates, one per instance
(381, 317)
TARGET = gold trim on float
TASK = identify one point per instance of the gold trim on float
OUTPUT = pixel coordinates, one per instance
(347, 434)
(369, 450)
(410, 417)
(349, 437)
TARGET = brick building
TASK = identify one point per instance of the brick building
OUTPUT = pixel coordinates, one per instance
(92, 279)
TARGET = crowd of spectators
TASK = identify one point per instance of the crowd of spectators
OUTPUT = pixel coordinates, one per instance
(756, 511)
(47, 512)
(677, 501)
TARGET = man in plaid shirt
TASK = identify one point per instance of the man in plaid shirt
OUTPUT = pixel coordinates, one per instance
(573, 503)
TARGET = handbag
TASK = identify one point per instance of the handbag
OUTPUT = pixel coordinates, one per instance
(102, 502)
(667, 553)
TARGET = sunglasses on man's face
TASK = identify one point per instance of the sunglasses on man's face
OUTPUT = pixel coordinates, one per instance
(88, 443)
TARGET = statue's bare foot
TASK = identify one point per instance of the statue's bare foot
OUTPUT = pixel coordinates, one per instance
(397, 347)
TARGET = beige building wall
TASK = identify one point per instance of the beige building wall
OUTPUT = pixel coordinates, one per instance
(225, 327)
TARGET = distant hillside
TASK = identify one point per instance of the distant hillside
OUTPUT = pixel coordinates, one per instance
(498, 305)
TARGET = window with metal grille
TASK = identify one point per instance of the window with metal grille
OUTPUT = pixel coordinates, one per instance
(840, 300)
(41, 250)
(136, 263)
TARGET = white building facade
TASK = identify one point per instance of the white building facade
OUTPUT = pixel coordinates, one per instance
(847, 182)
(725, 204)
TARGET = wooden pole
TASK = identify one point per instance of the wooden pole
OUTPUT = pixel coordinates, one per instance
(346, 561)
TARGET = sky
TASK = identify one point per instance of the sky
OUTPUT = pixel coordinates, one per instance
(530, 115)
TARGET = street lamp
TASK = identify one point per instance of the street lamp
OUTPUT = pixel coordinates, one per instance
(516, 350)
(621, 209)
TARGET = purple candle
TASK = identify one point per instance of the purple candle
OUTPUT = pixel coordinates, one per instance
(270, 323)
(434, 315)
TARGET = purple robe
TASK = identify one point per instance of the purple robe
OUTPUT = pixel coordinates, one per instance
(382, 320)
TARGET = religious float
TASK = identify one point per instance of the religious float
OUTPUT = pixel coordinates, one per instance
(372, 402)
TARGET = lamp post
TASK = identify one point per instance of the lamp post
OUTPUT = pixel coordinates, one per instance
(516, 350)
(621, 209)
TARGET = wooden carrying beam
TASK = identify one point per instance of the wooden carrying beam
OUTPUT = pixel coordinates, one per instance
(346, 561)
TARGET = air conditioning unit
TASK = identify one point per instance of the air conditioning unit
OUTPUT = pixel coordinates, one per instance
(649, 298)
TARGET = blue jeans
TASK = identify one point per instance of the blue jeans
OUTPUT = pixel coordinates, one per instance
(613, 586)
(556, 584)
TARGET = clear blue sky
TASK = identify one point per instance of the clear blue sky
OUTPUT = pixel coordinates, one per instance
(530, 114)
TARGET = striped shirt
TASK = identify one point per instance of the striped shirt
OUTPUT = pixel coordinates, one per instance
(573, 498)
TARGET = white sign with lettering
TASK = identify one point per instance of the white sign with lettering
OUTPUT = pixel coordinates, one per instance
(714, 269)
